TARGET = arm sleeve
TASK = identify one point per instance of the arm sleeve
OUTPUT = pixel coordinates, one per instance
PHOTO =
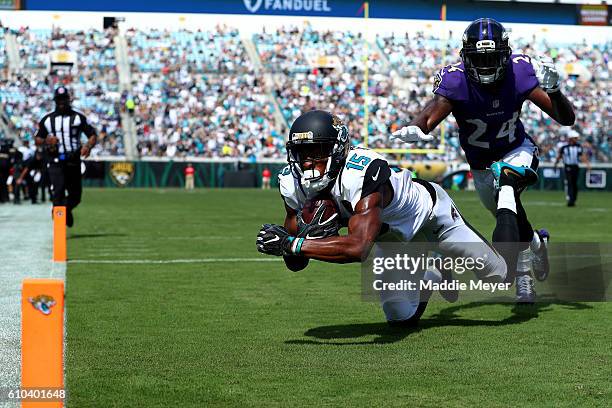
(42, 131)
(524, 74)
(449, 82)
(290, 203)
(376, 175)
(286, 187)
(87, 128)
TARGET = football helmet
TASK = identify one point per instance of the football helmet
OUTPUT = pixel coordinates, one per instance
(485, 51)
(317, 135)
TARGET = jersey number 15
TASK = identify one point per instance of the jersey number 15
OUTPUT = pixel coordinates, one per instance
(357, 162)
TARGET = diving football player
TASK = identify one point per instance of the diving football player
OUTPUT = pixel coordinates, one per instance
(374, 200)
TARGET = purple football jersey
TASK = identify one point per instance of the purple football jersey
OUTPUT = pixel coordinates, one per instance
(488, 119)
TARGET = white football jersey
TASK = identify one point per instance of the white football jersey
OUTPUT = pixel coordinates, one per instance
(363, 172)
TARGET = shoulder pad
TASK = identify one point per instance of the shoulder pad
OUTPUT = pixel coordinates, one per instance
(363, 172)
(525, 79)
(451, 82)
(288, 188)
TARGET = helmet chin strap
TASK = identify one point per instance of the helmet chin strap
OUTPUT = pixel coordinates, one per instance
(312, 187)
(312, 182)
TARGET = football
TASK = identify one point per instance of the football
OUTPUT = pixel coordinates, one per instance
(312, 207)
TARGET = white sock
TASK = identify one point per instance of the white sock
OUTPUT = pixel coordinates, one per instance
(535, 242)
(506, 199)
(523, 262)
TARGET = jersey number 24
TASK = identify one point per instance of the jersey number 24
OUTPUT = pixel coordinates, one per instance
(506, 130)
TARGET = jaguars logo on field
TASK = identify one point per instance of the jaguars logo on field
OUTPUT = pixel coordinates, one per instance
(121, 173)
(42, 303)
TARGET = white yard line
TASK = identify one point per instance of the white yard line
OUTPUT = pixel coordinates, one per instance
(245, 260)
(170, 261)
(26, 245)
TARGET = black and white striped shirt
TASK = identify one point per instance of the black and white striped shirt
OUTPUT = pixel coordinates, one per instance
(571, 154)
(67, 128)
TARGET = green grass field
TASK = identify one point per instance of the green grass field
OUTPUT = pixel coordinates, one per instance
(254, 334)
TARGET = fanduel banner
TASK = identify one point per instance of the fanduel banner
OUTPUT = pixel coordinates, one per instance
(321, 8)
(462, 10)
(316, 6)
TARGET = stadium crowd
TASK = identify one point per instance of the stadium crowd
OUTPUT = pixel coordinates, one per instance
(26, 96)
(293, 49)
(208, 115)
(214, 51)
(199, 94)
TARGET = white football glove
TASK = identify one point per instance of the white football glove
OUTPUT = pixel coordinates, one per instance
(547, 74)
(411, 134)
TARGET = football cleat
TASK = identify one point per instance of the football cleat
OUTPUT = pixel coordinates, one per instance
(518, 177)
(540, 264)
(525, 292)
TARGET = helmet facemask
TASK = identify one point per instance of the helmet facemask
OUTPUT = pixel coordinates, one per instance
(307, 161)
(486, 60)
(316, 164)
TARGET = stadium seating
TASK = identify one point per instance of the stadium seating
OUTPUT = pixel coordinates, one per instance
(217, 51)
(289, 49)
(3, 60)
(197, 93)
(211, 115)
(94, 83)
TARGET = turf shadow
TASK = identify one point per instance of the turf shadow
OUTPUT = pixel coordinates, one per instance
(102, 235)
(335, 334)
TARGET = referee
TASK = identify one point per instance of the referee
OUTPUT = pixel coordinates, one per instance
(572, 153)
(60, 132)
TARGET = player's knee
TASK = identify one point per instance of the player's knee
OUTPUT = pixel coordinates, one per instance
(496, 270)
(399, 311)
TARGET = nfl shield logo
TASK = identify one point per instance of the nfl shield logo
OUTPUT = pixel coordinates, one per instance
(496, 103)
(252, 5)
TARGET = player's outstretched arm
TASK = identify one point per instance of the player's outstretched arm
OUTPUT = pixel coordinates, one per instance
(435, 111)
(555, 104)
(548, 96)
(417, 130)
(363, 228)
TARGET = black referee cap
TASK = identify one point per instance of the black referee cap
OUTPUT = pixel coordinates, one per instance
(61, 93)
